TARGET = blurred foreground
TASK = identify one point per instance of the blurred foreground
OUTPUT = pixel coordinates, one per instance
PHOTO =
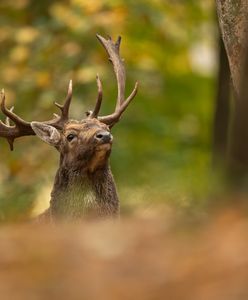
(138, 258)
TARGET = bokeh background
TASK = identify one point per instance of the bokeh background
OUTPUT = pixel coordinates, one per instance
(162, 152)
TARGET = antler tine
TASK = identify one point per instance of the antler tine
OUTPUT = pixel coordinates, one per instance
(10, 114)
(96, 110)
(7, 120)
(115, 117)
(113, 50)
(65, 108)
(21, 127)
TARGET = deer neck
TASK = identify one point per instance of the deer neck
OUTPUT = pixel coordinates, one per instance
(80, 193)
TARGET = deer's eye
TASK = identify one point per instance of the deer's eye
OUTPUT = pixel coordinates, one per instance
(70, 137)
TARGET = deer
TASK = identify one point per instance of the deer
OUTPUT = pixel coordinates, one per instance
(84, 185)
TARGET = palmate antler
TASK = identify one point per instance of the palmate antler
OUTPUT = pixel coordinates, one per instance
(23, 128)
(113, 50)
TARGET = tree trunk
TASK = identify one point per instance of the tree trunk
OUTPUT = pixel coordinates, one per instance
(222, 109)
(233, 25)
(238, 145)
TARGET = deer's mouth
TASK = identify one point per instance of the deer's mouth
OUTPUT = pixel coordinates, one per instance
(104, 147)
(100, 156)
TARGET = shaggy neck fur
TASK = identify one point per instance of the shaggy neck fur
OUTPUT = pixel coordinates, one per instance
(77, 194)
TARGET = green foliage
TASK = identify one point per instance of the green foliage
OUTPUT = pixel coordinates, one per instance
(162, 145)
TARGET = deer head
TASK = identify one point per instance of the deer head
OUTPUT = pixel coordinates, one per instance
(83, 144)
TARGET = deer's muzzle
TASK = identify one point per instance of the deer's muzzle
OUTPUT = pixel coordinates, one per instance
(104, 137)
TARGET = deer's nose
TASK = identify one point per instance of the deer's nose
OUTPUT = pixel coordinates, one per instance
(104, 136)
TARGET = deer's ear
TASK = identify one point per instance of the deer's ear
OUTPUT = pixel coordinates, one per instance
(47, 133)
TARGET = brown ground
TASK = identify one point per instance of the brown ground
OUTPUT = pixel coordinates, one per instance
(128, 259)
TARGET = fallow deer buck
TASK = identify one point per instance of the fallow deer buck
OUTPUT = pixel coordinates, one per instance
(84, 184)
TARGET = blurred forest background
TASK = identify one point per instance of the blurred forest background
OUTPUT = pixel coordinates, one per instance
(162, 151)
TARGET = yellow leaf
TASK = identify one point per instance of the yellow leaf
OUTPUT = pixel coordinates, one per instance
(26, 35)
(19, 54)
(43, 79)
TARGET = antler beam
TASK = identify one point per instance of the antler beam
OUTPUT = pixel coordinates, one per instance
(23, 128)
(113, 50)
